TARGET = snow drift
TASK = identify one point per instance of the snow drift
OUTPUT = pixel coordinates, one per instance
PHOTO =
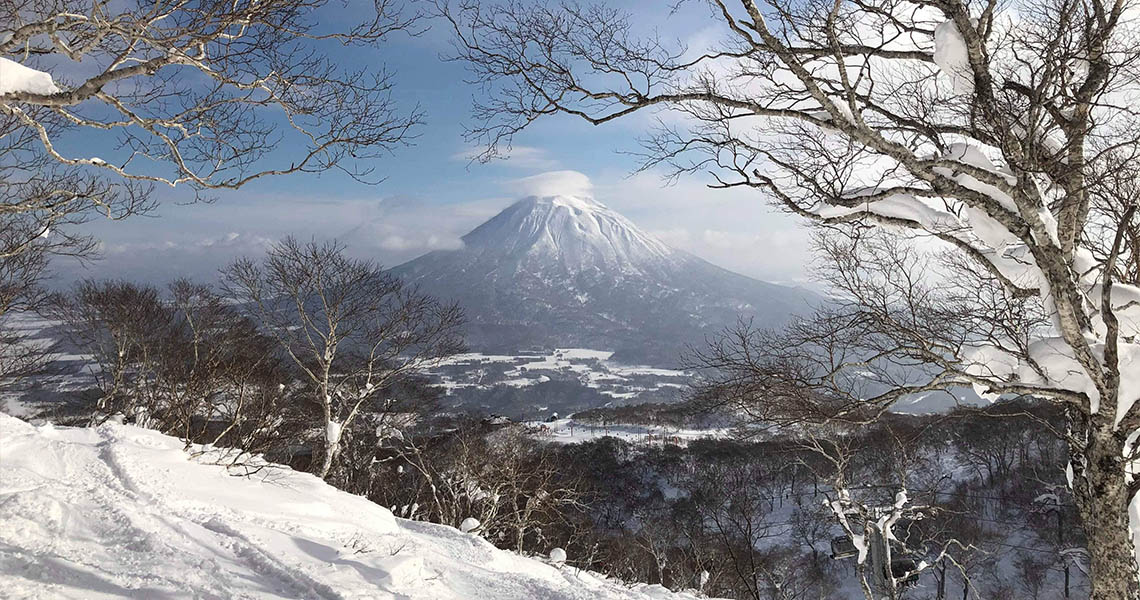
(119, 511)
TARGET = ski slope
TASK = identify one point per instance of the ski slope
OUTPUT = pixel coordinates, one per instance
(119, 511)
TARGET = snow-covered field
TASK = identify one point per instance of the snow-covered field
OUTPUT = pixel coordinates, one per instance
(570, 431)
(46, 394)
(595, 364)
(591, 368)
(119, 511)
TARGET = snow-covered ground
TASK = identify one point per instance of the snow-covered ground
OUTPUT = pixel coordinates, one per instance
(595, 363)
(48, 393)
(119, 511)
(591, 368)
(623, 384)
(570, 431)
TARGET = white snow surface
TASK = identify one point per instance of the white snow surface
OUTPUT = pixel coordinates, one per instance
(16, 78)
(569, 431)
(575, 231)
(120, 511)
(952, 57)
(1134, 524)
(332, 432)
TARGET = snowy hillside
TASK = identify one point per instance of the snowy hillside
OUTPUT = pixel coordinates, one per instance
(565, 271)
(121, 511)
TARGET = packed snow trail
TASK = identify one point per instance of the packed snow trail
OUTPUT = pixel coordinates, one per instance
(119, 511)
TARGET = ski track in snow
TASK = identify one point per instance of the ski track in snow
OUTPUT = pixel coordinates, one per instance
(118, 511)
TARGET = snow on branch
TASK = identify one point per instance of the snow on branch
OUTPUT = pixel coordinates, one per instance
(15, 78)
(952, 56)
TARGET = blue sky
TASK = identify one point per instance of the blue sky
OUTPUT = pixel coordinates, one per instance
(433, 194)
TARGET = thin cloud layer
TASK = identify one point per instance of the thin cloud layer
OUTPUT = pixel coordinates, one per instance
(734, 229)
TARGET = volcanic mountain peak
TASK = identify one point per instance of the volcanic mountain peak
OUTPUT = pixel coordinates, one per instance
(573, 228)
(567, 271)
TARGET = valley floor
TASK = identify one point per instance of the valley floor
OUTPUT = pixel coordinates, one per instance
(571, 431)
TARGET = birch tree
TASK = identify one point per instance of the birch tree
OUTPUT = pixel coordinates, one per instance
(350, 329)
(186, 363)
(201, 95)
(179, 93)
(1003, 133)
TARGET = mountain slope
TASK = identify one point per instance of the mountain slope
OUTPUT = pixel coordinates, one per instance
(119, 511)
(567, 271)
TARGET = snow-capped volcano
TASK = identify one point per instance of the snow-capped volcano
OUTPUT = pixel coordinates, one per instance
(579, 233)
(564, 271)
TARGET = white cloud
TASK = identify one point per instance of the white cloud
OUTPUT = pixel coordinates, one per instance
(191, 254)
(197, 240)
(397, 229)
(552, 183)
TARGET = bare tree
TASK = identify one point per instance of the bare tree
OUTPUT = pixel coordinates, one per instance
(187, 364)
(350, 328)
(878, 520)
(736, 500)
(510, 484)
(123, 327)
(187, 93)
(174, 94)
(20, 294)
(997, 130)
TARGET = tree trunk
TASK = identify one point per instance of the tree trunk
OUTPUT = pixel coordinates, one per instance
(331, 450)
(1111, 553)
(1102, 500)
(1061, 543)
(941, 580)
(331, 446)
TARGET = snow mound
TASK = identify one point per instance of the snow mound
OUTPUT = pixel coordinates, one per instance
(16, 78)
(558, 556)
(469, 524)
(119, 511)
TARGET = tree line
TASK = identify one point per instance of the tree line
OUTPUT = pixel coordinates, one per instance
(293, 356)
